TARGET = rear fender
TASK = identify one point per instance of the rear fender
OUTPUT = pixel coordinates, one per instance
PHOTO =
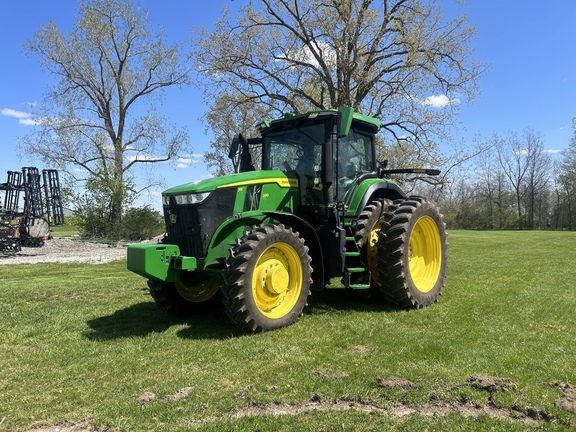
(372, 189)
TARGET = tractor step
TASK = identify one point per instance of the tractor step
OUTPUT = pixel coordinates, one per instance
(351, 254)
(356, 278)
(356, 269)
(359, 286)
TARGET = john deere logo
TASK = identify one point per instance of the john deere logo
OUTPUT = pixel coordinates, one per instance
(173, 218)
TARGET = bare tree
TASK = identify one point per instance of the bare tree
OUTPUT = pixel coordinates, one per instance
(566, 180)
(398, 60)
(537, 180)
(493, 187)
(100, 116)
(226, 117)
(526, 166)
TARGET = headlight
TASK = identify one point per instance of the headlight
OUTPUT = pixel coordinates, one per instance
(165, 200)
(191, 198)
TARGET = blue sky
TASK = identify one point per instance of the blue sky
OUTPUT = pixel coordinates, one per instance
(529, 44)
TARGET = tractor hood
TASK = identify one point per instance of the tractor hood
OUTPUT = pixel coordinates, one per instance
(234, 180)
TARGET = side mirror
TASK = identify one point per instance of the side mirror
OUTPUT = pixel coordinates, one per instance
(236, 141)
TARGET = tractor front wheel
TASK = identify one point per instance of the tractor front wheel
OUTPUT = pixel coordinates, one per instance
(189, 294)
(268, 277)
(412, 253)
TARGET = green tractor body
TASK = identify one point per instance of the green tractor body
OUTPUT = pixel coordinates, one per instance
(320, 207)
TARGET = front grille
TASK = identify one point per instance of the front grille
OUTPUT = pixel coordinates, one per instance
(195, 223)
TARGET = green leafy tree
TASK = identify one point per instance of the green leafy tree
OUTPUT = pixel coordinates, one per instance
(142, 224)
(99, 118)
(92, 207)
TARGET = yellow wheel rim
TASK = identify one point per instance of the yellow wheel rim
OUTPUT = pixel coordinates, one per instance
(425, 257)
(277, 280)
(372, 250)
(197, 292)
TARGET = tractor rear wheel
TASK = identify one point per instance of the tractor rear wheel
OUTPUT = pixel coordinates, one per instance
(268, 277)
(412, 253)
(367, 230)
(187, 295)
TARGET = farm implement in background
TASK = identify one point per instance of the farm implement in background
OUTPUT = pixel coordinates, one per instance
(32, 203)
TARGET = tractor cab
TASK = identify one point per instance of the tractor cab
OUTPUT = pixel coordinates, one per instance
(329, 151)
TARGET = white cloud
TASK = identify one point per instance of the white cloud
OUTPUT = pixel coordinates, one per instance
(185, 162)
(16, 114)
(305, 55)
(28, 122)
(524, 152)
(23, 117)
(439, 101)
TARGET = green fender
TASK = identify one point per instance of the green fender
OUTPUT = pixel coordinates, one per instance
(370, 189)
(227, 233)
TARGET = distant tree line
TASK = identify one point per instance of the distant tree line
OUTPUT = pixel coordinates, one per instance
(514, 184)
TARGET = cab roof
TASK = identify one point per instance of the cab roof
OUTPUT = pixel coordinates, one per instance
(366, 121)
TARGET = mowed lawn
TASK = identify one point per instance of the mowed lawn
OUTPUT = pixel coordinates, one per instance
(84, 346)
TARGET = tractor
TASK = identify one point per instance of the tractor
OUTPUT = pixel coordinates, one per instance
(319, 207)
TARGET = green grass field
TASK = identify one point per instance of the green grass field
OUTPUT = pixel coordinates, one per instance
(66, 230)
(84, 344)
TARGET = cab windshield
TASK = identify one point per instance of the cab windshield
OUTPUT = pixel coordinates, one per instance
(296, 149)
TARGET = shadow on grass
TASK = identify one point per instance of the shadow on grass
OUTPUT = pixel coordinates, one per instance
(143, 319)
(338, 299)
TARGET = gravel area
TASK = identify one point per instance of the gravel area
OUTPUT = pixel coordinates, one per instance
(67, 250)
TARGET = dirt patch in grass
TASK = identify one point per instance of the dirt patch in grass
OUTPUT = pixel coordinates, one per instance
(81, 426)
(331, 376)
(363, 350)
(398, 411)
(395, 382)
(148, 397)
(492, 385)
(527, 416)
(568, 400)
(489, 383)
(180, 394)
